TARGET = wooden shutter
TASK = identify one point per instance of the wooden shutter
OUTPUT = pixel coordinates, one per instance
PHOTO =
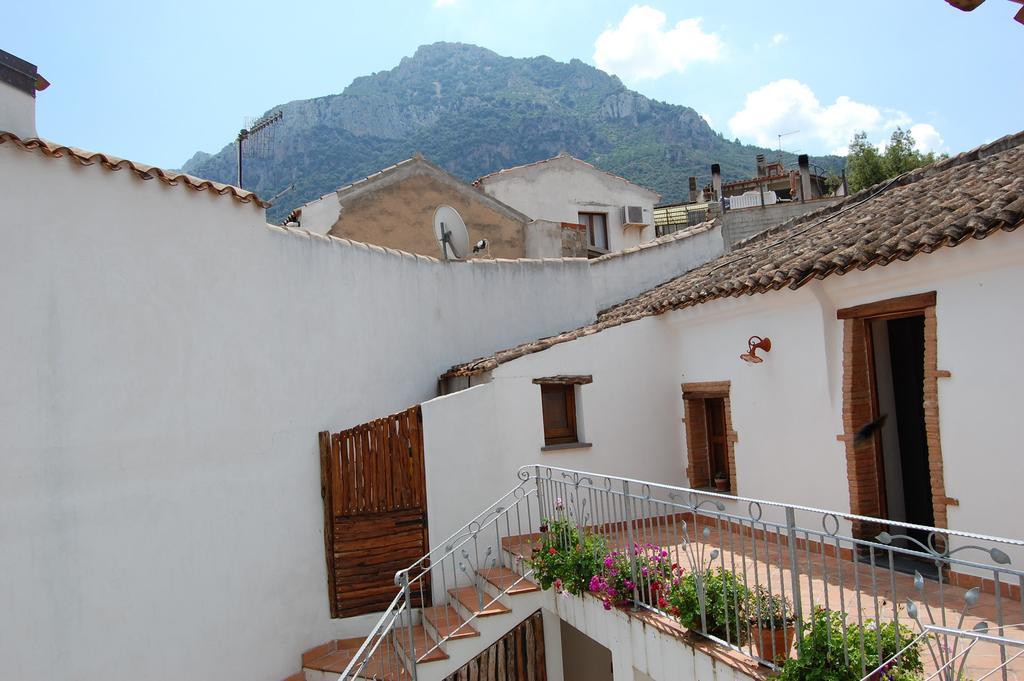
(559, 407)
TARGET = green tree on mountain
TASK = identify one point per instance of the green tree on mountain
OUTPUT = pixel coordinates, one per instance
(867, 166)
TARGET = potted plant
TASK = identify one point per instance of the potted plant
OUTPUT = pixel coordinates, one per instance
(772, 623)
(565, 560)
(833, 649)
(614, 585)
(721, 481)
(724, 597)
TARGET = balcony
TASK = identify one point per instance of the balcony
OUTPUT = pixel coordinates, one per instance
(755, 584)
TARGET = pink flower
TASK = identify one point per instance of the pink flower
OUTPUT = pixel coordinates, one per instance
(607, 604)
(552, 551)
(559, 504)
(558, 585)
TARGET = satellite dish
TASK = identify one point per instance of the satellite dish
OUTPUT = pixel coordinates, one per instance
(450, 232)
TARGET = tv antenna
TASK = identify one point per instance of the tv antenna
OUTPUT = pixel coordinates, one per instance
(450, 232)
(785, 134)
(281, 193)
(256, 139)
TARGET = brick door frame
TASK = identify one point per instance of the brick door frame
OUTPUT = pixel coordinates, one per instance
(698, 471)
(860, 407)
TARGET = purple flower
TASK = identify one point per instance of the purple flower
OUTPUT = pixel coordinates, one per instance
(559, 504)
(609, 561)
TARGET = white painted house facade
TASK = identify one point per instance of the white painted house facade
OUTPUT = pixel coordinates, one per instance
(168, 364)
(787, 413)
(567, 190)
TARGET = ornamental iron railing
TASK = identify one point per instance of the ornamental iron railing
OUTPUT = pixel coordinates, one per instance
(772, 581)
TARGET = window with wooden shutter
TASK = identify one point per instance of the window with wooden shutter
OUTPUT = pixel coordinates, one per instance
(559, 406)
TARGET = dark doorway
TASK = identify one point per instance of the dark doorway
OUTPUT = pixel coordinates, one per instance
(718, 443)
(899, 385)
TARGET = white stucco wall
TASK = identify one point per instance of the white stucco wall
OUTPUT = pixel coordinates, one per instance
(320, 215)
(17, 111)
(786, 411)
(542, 239)
(168, 360)
(620, 276)
(560, 189)
(487, 432)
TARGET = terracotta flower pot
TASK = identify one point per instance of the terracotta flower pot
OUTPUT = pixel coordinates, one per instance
(781, 638)
(722, 484)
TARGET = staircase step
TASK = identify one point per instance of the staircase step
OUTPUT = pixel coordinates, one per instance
(503, 578)
(445, 619)
(423, 642)
(468, 598)
(335, 655)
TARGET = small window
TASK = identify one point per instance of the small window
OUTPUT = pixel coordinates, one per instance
(559, 405)
(597, 229)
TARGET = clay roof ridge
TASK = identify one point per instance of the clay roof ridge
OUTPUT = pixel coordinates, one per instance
(141, 170)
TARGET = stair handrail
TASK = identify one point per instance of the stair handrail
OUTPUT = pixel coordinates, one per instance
(384, 626)
(494, 508)
(390, 619)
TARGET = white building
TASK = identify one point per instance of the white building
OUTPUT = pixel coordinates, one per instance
(567, 190)
(169, 360)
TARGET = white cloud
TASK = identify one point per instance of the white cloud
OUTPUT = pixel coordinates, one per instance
(707, 119)
(641, 47)
(443, 3)
(788, 105)
(779, 38)
(927, 138)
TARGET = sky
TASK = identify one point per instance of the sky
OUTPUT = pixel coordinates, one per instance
(155, 82)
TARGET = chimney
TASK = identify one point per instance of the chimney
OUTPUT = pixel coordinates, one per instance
(762, 167)
(693, 189)
(19, 82)
(805, 177)
(716, 181)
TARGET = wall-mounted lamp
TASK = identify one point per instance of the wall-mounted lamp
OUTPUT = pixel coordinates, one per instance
(754, 344)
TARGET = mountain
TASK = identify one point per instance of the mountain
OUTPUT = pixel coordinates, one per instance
(472, 112)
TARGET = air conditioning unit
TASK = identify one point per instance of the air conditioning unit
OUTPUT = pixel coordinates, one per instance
(635, 216)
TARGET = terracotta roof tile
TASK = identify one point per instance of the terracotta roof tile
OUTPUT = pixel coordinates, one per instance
(969, 196)
(141, 170)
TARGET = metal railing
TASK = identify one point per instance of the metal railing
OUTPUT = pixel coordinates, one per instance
(455, 566)
(772, 581)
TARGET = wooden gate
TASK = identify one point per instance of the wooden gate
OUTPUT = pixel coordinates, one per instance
(375, 510)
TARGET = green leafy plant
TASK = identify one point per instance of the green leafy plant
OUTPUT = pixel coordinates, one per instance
(725, 602)
(564, 560)
(766, 609)
(830, 650)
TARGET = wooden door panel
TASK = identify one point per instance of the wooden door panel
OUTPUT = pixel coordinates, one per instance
(375, 511)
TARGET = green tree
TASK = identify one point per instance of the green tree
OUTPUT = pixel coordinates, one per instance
(866, 166)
